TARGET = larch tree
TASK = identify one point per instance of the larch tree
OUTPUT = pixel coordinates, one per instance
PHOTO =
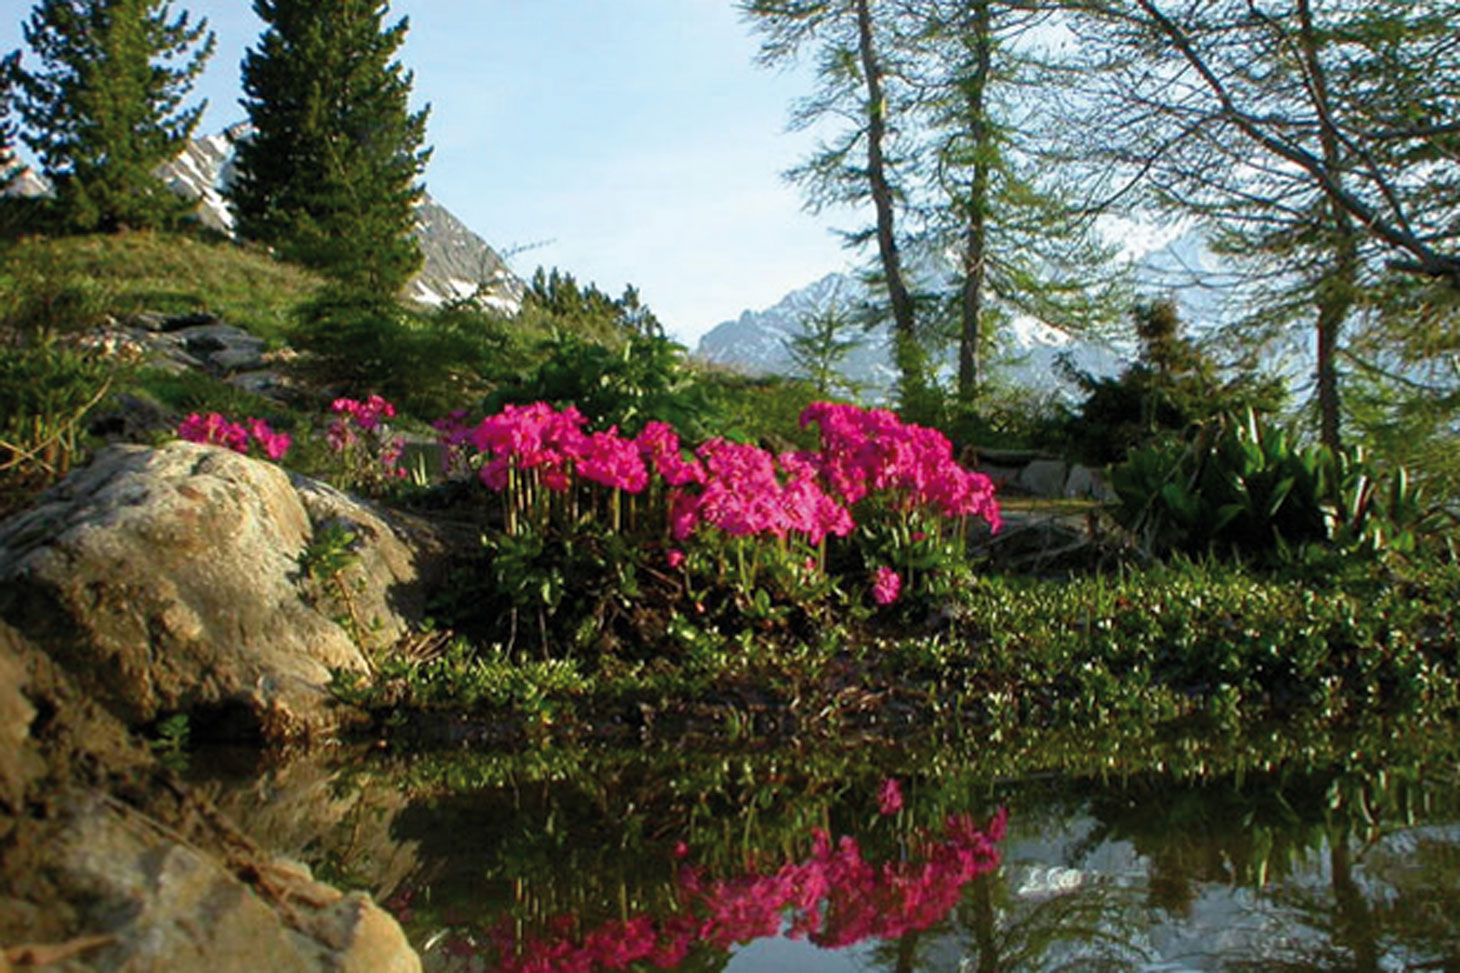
(861, 164)
(1319, 143)
(973, 224)
(994, 200)
(104, 107)
(330, 176)
(821, 346)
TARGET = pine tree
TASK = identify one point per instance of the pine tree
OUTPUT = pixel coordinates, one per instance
(104, 109)
(330, 175)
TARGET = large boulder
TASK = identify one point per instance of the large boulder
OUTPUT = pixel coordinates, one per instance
(109, 863)
(170, 580)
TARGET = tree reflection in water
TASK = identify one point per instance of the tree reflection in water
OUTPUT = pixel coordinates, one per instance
(1297, 853)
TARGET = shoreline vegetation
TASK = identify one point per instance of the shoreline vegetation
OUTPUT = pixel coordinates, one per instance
(758, 563)
(522, 536)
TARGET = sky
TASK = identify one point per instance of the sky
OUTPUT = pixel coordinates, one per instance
(623, 141)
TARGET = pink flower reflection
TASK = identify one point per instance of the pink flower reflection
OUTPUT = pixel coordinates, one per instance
(835, 898)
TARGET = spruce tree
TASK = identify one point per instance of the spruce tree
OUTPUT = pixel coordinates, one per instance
(330, 177)
(104, 108)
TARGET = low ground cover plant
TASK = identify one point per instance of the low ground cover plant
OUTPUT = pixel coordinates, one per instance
(620, 572)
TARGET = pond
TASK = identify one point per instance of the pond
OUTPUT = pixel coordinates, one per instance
(1284, 849)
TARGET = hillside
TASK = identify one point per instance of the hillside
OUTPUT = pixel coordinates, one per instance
(458, 263)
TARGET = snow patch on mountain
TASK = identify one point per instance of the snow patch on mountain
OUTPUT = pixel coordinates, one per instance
(458, 264)
(1170, 262)
(757, 342)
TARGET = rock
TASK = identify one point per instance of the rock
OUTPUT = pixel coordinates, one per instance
(114, 866)
(149, 321)
(365, 939)
(1044, 477)
(17, 767)
(268, 383)
(167, 906)
(1085, 484)
(1003, 477)
(395, 560)
(1040, 544)
(223, 348)
(169, 580)
(131, 419)
(322, 804)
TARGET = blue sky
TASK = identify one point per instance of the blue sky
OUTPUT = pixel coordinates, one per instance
(637, 136)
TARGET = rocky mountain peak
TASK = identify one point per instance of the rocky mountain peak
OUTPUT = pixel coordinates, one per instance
(459, 264)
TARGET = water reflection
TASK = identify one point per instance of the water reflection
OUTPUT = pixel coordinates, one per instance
(1289, 854)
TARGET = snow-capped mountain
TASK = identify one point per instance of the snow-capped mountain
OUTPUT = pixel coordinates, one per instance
(458, 265)
(201, 171)
(1173, 263)
(757, 341)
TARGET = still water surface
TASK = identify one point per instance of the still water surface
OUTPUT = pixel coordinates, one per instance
(1090, 852)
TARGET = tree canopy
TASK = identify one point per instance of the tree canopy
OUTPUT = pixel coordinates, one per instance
(330, 176)
(104, 108)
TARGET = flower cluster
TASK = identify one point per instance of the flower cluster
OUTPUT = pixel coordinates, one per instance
(835, 898)
(217, 430)
(738, 489)
(367, 415)
(540, 438)
(889, 796)
(358, 427)
(886, 585)
(871, 450)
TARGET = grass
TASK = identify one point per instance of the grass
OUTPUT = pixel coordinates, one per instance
(90, 276)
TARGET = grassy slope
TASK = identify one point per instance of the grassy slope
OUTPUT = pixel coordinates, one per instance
(132, 272)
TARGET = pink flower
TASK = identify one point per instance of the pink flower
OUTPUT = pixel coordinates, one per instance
(886, 586)
(889, 796)
(675, 557)
(367, 414)
(274, 444)
(217, 430)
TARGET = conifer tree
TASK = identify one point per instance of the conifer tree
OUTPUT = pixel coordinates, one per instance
(330, 175)
(821, 347)
(1317, 144)
(104, 108)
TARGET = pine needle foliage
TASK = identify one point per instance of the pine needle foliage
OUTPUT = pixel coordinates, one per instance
(330, 177)
(103, 109)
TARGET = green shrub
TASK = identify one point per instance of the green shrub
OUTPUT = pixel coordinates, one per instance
(758, 409)
(1174, 386)
(645, 378)
(47, 389)
(1241, 487)
(361, 344)
(39, 298)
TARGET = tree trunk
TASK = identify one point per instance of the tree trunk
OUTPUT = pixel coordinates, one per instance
(904, 324)
(1335, 294)
(979, 39)
(1353, 922)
